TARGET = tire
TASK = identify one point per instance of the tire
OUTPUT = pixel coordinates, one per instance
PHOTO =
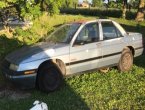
(126, 60)
(49, 79)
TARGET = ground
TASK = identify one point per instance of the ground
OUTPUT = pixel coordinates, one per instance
(94, 90)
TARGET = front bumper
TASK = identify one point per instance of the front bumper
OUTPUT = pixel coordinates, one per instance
(19, 78)
(22, 81)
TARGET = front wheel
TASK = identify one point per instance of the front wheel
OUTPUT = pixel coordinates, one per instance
(126, 61)
(49, 79)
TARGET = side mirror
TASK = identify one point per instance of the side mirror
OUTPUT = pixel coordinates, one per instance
(128, 33)
(82, 43)
(81, 40)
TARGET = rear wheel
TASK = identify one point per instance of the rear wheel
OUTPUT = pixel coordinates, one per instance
(126, 61)
(49, 79)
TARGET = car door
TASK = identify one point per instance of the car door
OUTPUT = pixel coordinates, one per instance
(112, 44)
(84, 54)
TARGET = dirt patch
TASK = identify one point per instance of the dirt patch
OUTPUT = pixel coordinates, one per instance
(12, 93)
(9, 91)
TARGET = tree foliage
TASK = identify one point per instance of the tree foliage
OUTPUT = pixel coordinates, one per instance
(52, 6)
(6, 3)
(31, 8)
(26, 9)
(97, 3)
(23, 8)
(69, 3)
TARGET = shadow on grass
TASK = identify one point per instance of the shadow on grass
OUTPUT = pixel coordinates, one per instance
(64, 99)
(140, 61)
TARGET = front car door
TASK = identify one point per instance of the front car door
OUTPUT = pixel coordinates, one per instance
(85, 53)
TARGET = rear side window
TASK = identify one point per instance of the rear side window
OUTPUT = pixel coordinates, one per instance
(110, 31)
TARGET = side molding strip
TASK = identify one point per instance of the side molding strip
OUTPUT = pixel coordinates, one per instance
(91, 59)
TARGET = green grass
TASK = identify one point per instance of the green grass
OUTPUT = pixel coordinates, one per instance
(95, 91)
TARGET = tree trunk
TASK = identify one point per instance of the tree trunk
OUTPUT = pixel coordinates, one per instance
(67, 3)
(108, 1)
(140, 13)
(124, 8)
(42, 5)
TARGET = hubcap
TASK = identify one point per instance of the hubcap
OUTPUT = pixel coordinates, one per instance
(126, 61)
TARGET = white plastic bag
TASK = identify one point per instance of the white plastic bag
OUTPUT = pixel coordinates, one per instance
(39, 106)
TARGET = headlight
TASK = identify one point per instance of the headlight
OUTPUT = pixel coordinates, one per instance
(13, 67)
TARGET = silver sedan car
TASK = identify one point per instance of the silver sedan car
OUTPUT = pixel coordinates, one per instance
(73, 48)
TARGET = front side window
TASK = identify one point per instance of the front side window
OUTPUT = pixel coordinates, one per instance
(109, 30)
(89, 34)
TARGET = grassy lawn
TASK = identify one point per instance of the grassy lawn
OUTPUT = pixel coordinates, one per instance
(94, 90)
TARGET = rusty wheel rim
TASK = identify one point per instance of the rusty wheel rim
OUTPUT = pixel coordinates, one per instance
(126, 61)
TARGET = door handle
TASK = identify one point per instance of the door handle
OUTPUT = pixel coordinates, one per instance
(99, 44)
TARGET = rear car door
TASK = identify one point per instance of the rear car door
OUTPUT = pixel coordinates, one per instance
(84, 54)
(112, 44)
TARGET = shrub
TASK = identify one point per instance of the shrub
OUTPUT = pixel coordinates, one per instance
(130, 15)
(99, 12)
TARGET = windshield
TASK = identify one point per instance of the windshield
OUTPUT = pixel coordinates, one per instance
(64, 33)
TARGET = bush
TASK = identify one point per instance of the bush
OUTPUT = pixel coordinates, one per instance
(99, 12)
(130, 15)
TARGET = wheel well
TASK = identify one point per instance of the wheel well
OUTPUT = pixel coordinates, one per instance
(51, 63)
(57, 62)
(132, 50)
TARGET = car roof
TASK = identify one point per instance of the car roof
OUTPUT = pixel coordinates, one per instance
(89, 21)
(80, 22)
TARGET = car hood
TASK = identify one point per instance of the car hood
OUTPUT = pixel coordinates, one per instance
(36, 52)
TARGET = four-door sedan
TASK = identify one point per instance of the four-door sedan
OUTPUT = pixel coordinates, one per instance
(73, 48)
